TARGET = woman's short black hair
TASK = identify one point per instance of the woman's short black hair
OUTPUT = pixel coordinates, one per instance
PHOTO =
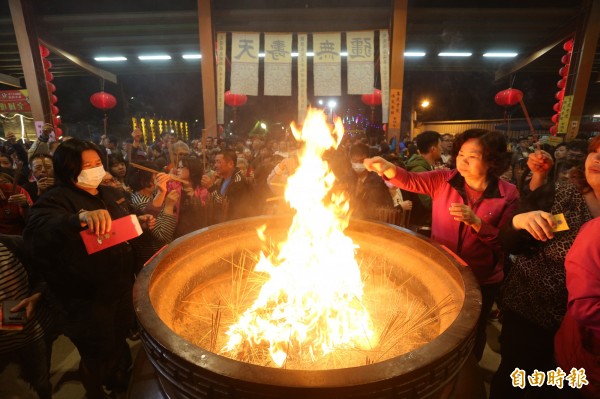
(67, 159)
(196, 170)
(139, 179)
(495, 149)
(114, 159)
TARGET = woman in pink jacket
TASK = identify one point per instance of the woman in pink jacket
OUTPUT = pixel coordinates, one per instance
(470, 204)
(577, 342)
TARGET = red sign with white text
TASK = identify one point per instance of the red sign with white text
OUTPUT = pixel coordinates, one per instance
(14, 101)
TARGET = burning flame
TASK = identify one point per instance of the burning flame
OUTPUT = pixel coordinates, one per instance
(311, 302)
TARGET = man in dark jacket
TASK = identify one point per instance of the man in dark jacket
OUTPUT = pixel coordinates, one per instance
(230, 193)
(368, 193)
(430, 151)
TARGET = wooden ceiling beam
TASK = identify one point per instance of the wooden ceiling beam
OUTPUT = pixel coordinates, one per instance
(109, 76)
(509, 68)
(10, 80)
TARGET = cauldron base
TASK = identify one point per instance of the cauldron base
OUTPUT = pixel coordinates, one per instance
(146, 385)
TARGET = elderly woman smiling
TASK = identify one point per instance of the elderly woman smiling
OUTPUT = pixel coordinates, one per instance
(470, 204)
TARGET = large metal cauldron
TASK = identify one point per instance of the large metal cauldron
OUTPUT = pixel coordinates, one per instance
(188, 371)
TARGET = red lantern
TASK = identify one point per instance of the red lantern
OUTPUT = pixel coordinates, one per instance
(568, 46)
(553, 130)
(560, 95)
(57, 120)
(566, 59)
(57, 132)
(55, 110)
(564, 71)
(372, 99)
(103, 100)
(235, 100)
(53, 99)
(508, 97)
(556, 118)
(51, 87)
(561, 83)
(44, 52)
(47, 64)
(556, 107)
(49, 76)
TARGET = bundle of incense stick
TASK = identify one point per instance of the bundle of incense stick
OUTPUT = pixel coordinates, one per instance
(135, 165)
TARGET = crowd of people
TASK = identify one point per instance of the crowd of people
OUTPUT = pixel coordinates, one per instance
(490, 201)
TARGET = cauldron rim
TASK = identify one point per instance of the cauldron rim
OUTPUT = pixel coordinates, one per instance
(442, 346)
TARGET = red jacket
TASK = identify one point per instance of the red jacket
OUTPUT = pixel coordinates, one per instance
(480, 250)
(577, 342)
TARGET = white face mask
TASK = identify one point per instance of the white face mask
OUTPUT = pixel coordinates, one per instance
(358, 167)
(91, 178)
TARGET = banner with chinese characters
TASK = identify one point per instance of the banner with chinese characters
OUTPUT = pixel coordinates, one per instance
(244, 63)
(361, 68)
(221, 59)
(14, 101)
(278, 64)
(302, 77)
(327, 67)
(395, 102)
(384, 66)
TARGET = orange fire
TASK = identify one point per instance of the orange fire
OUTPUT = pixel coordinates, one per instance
(312, 300)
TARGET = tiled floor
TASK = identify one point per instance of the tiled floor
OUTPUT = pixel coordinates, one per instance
(66, 384)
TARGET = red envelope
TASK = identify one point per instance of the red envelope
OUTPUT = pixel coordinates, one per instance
(122, 229)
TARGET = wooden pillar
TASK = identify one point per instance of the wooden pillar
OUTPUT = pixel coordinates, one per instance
(31, 61)
(207, 50)
(582, 60)
(397, 69)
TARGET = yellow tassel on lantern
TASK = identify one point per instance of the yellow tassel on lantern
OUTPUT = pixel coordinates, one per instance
(170, 126)
(160, 125)
(143, 126)
(134, 123)
(152, 133)
(187, 134)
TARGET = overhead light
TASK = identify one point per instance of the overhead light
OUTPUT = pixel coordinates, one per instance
(500, 55)
(110, 59)
(191, 56)
(157, 57)
(414, 54)
(309, 54)
(596, 116)
(450, 54)
(344, 54)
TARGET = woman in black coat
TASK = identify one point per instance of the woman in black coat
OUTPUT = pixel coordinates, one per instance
(92, 294)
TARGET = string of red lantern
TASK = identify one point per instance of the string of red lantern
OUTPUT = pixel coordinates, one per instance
(51, 88)
(562, 85)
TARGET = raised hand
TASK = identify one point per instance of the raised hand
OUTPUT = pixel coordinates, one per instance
(380, 166)
(537, 223)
